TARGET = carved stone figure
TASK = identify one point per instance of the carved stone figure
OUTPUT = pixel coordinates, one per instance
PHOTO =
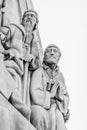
(49, 94)
(12, 11)
(32, 53)
(19, 46)
(16, 60)
(12, 69)
(11, 39)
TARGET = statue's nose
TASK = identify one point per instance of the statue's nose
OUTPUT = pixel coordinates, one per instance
(29, 16)
(52, 52)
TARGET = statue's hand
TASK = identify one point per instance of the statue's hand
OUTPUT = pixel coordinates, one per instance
(66, 116)
(28, 58)
(54, 89)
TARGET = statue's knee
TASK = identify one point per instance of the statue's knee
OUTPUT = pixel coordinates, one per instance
(38, 116)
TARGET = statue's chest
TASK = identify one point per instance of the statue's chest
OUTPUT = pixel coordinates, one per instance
(49, 80)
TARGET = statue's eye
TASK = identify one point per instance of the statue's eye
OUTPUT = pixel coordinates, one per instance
(55, 50)
(48, 51)
(31, 15)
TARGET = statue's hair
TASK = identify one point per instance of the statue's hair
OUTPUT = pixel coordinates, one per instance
(31, 12)
(50, 46)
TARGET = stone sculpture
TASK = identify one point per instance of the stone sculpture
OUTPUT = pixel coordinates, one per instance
(33, 95)
(12, 36)
(20, 45)
(12, 66)
(31, 51)
(49, 94)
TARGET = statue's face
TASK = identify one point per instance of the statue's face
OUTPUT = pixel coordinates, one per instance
(52, 55)
(29, 20)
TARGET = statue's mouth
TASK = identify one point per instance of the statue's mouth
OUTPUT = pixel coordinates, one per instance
(52, 56)
(28, 20)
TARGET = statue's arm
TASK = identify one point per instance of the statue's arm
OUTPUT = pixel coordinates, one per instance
(62, 96)
(39, 95)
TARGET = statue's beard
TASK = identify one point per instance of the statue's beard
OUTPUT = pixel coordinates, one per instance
(28, 26)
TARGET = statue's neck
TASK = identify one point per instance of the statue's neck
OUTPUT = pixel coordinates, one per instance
(28, 30)
(50, 65)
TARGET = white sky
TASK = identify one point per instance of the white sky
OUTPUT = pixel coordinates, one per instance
(64, 22)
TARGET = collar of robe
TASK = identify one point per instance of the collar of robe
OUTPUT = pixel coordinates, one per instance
(51, 72)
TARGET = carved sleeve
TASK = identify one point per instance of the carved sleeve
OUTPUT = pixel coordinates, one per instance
(62, 96)
(15, 49)
(38, 93)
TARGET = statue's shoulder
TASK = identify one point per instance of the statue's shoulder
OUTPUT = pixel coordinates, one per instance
(61, 77)
(14, 27)
(60, 73)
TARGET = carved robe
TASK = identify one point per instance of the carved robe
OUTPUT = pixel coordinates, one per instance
(43, 115)
(14, 10)
(11, 119)
(11, 68)
(35, 49)
(12, 61)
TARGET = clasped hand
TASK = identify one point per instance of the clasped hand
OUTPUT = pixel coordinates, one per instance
(28, 58)
(54, 89)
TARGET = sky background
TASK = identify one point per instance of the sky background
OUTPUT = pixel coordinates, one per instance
(64, 23)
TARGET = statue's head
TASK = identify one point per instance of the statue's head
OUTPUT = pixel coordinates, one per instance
(52, 54)
(30, 19)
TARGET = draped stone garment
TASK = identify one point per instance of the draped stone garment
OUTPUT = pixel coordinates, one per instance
(13, 64)
(13, 13)
(11, 70)
(11, 119)
(12, 67)
(29, 67)
(14, 10)
(44, 114)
